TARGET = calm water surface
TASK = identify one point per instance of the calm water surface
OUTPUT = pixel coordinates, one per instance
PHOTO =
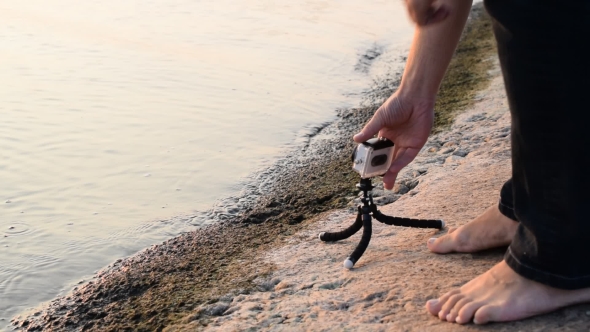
(116, 117)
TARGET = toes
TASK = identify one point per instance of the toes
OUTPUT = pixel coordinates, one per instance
(465, 315)
(449, 305)
(434, 306)
(441, 245)
(454, 313)
(485, 314)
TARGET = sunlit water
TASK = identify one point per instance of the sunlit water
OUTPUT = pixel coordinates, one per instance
(116, 115)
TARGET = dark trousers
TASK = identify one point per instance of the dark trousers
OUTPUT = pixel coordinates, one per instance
(544, 51)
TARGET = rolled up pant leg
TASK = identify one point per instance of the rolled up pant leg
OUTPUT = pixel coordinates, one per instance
(544, 51)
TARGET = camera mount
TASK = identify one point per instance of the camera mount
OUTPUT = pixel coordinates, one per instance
(363, 220)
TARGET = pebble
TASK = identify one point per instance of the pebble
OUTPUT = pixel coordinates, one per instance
(8, 201)
(146, 175)
(453, 158)
(447, 150)
(460, 153)
(283, 285)
(449, 143)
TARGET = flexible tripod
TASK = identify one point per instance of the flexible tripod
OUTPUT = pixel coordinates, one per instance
(363, 220)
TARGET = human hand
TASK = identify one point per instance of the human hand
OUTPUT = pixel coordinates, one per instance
(406, 121)
(425, 12)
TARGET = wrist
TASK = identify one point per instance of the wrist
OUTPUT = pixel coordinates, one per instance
(417, 96)
(418, 84)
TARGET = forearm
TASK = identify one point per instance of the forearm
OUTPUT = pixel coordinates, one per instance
(431, 51)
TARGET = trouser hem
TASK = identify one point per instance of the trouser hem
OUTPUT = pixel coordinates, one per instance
(519, 265)
(506, 210)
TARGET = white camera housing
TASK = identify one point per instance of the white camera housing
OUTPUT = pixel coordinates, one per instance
(373, 157)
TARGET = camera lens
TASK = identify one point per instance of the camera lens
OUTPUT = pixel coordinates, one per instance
(379, 160)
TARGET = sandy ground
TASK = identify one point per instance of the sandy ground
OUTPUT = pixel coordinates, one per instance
(459, 174)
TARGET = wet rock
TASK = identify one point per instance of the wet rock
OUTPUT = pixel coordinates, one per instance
(282, 285)
(446, 151)
(226, 298)
(453, 159)
(400, 188)
(330, 285)
(216, 309)
(384, 200)
(450, 144)
(460, 153)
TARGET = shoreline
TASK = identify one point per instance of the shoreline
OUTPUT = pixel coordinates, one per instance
(165, 283)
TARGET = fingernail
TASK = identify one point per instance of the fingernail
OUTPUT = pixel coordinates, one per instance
(431, 240)
(433, 302)
(458, 320)
(449, 317)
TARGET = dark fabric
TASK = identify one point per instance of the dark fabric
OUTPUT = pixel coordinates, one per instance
(506, 204)
(544, 51)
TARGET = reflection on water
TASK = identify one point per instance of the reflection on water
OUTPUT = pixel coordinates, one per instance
(117, 114)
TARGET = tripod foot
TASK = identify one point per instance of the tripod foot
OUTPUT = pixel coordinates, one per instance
(442, 224)
(348, 264)
(320, 235)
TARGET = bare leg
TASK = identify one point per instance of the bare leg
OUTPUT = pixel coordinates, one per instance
(501, 295)
(491, 229)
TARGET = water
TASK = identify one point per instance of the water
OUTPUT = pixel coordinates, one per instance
(118, 118)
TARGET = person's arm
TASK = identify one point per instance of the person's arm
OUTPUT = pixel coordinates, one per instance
(432, 47)
(406, 117)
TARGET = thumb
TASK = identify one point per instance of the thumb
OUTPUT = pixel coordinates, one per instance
(370, 129)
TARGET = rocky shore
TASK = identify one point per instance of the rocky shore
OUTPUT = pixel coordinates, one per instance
(260, 266)
(457, 175)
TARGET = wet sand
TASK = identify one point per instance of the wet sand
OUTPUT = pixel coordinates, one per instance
(270, 259)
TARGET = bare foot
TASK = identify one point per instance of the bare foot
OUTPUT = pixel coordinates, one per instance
(501, 295)
(491, 229)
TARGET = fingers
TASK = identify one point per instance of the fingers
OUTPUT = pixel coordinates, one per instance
(422, 12)
(438, 15)
(402, 159)
(371, 128)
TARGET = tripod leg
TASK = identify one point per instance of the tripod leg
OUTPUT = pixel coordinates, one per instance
(345, 234)
(406, 222)
(364, 243)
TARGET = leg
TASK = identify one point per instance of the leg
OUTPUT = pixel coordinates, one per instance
(494, 228)
(545, 68)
